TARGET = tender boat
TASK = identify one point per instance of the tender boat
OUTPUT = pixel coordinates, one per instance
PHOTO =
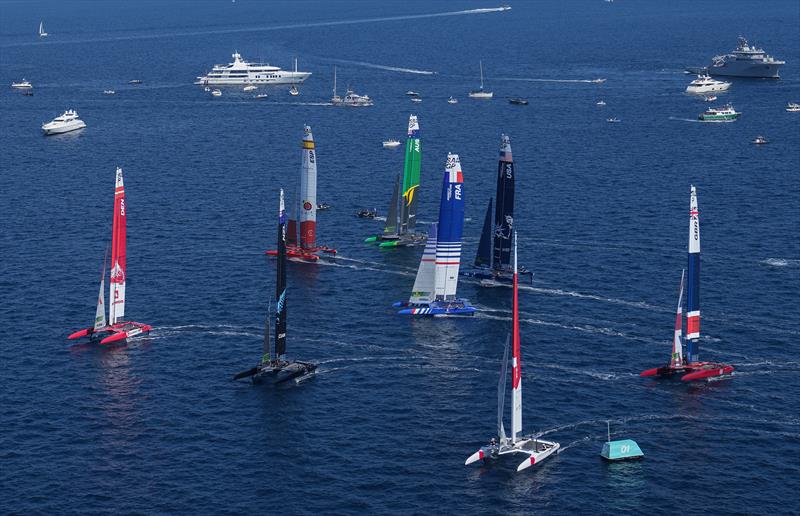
(367, 214)
(613, 120)
(391, 143)
(534, 450)
(518, 102)
(322, 206)
(64, 123)
(24, 84)
(451, 100)
(793, 107)
(760, 140)
(109, 92)
(725, 113)
(261, 96)
(216, 93)
(481, 94)
(601, 102)
(242, 72)
(705, 84)
(416, 99)
(689, 366)
(250, 87)
(293, 91)
(710, 98)
(135, 81)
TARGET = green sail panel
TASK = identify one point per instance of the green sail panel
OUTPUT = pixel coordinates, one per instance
(411, 174)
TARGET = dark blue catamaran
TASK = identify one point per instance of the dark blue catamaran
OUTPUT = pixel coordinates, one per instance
(493, 261)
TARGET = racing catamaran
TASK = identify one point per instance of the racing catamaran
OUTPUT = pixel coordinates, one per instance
(493, 260)
(434, 292)
(308, 250)
(275, 369)
(536, 449)
(689, 366)
(401, 218)
(115, 325)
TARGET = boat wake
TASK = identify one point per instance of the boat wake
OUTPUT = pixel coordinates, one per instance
(381, 67)
(780, 262)
(582, 329)
(365, 268)
(685, 119)
(560, 292)
(533, 79)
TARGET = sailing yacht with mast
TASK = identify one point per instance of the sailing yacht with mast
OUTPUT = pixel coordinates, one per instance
(493, 260)
(434, 292)
(275, 369)
(689, 365)
(351, 98)
(307, 250)
(480, 94)
(42, 33)
(293, 91)
(401, 218)
(536, 449)
(118, 328)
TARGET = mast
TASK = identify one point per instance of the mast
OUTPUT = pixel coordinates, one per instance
(392, 225)
(677, 348)
(451, 226)
(100, 314)
(411, 172)
(480, 63)
(116, 310)
(693, 283)
(504, 207)
(516, 360)
(483, 258)
(308, 192)
(424, 284)
(334, 81)
(280, 286)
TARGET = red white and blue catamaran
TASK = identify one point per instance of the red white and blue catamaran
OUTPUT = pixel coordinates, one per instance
(536, 450)
(114, 329)
(307, 249)
(434, 292)
(689, 365)
(493, 260)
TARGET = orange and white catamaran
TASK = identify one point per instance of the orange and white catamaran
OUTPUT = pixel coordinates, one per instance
(116, 328)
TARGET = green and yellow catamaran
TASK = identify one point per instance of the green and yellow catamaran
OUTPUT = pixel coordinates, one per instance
(401, 218)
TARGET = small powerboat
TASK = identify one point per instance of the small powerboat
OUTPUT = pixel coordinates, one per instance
(518, 102)
(793, 107)
(710, 98)
(64, 123)
(24, 84)
(367, 214)
(601, 102)
(451, 100)
(250, 87)
(613, 120)
(261, 96)
(216, 93)
(416, 99)
(599, 81)
(412, 93)
(760, 140)
(321, 206)
(135, 81)
(109, 92)
(391, 143)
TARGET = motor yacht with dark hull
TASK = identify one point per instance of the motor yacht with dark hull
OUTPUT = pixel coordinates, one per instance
(746, 61)
(241, 72)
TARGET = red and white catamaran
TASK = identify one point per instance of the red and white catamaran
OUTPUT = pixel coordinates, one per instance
(114, 325)
(536, 449)
(307, 250)
(689, 365)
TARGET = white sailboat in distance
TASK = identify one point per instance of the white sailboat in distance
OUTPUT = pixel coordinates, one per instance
(480, 94)
(42, 33)
(536, 449)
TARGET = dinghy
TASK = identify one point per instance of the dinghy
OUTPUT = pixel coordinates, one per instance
(535, 450)
(493, 260)
(307, 250)
(401, 220)
(689, 366)
(275, 369)
(434, 292)
(117, 328)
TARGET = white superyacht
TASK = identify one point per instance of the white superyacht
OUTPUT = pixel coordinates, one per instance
(241, 72)
(65, 123)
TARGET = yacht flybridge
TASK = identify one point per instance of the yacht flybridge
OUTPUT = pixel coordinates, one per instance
(241, 72)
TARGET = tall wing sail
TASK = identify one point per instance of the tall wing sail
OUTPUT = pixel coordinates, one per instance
(392, 223)
(677, 347)
(100, 314)
(693, 281)
(504, 208)
(516, 360)
(116, 300)
(411, 172)
(280, 285)
(483, 258)
(308, 192)
(501, 395)
(451, 226)
(424, 285)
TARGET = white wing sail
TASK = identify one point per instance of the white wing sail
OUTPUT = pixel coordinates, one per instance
(424, 285)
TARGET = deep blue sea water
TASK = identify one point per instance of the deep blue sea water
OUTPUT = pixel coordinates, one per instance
(157, 427)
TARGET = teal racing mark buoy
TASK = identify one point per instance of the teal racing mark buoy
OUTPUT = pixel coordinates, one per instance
(624, 449)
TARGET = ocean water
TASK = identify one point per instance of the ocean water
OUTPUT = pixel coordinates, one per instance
(156, 426)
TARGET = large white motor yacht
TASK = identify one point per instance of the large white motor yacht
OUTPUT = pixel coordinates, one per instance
(241, 72)
(705, 84)
(65, 123)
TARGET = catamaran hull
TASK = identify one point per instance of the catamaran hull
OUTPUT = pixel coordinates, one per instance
(120, 331)
(536, 450)
(437, 309)
(406, 240)
(273, 375)
(692, 371)
(298, 254)
(490, 277)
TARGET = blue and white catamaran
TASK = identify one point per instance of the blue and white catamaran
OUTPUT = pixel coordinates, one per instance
(493, 260)
(434, 292)
(689, 365)
(534, 448)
